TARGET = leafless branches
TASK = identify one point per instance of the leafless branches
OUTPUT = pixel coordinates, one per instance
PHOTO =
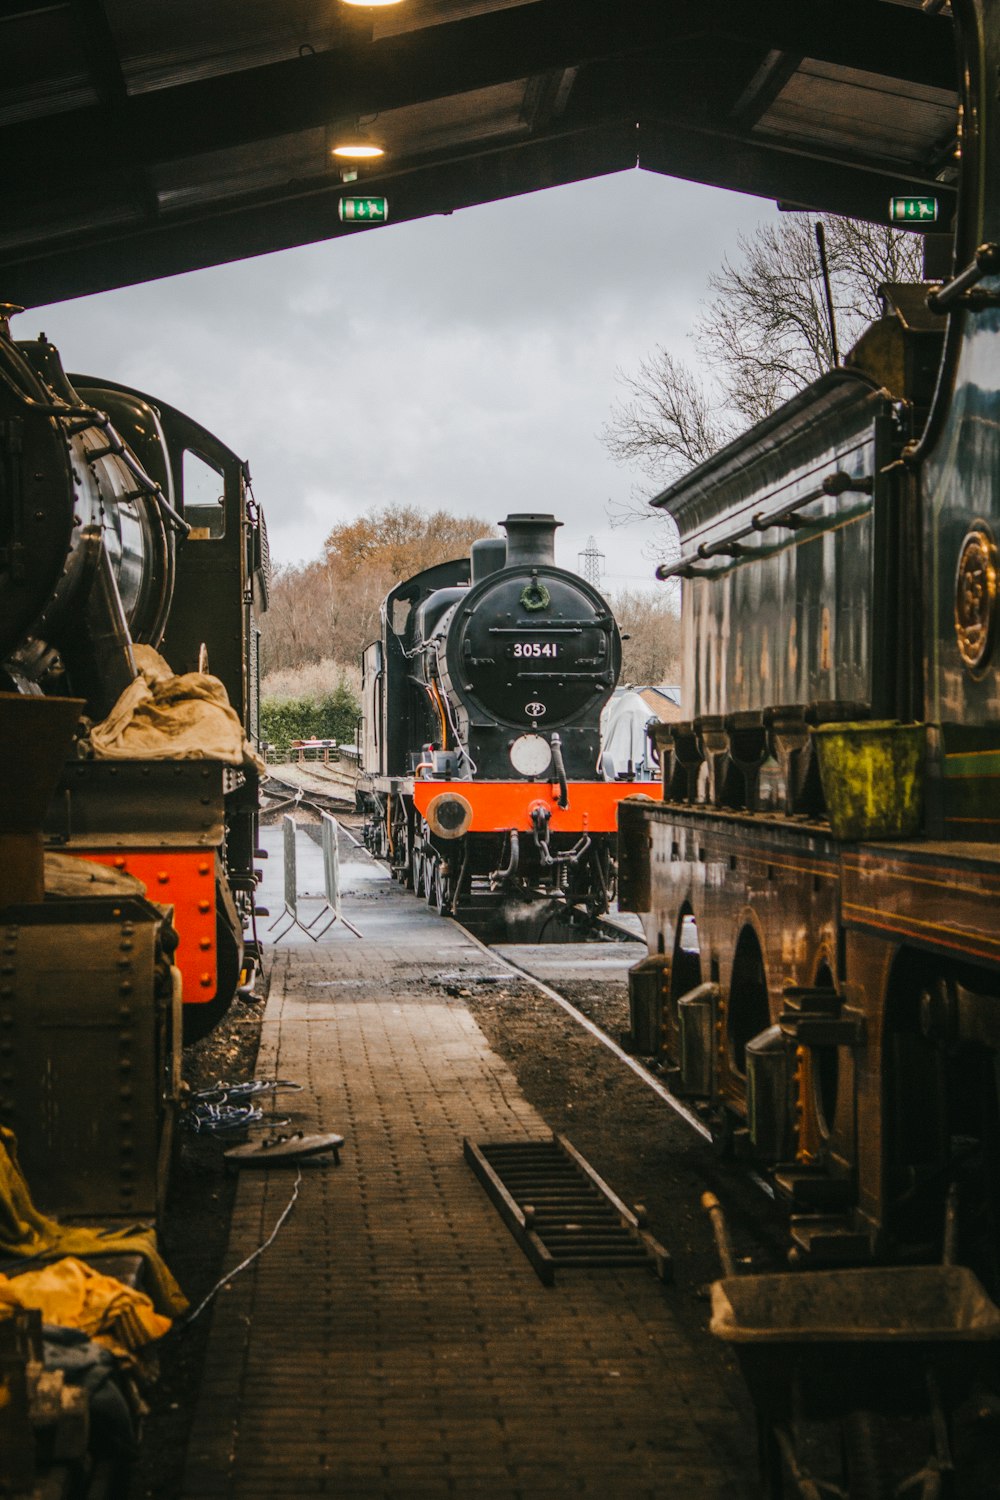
(762, 335)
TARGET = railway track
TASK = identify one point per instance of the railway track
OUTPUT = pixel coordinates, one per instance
(596, 1006)
(603, 933)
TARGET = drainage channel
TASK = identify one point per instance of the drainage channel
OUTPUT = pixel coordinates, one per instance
(562, 1214)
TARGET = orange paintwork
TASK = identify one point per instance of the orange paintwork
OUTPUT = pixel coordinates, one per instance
(499, 805)
(185, 880)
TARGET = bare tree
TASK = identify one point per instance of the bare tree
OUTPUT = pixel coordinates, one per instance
(763, 335)
(666, 421)
(652, 653)
(328, 610)
(766, 334)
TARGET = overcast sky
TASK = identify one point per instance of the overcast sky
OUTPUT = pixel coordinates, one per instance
(465, 362)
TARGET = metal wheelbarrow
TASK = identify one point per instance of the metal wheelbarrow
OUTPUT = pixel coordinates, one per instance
(852, 1348)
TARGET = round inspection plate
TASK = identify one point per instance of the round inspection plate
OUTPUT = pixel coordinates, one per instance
(530, 755)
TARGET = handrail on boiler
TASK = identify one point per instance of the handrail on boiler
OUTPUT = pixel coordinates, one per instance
(837, 483)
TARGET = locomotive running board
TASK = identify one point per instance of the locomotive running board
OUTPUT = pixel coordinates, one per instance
(562, 1214)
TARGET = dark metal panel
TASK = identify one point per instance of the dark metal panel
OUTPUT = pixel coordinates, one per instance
(159, 802)
(87, 1081)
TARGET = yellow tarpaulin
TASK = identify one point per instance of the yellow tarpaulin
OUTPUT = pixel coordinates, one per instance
(27, 1233)
(74, 1295)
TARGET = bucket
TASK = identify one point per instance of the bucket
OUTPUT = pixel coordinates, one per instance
(873, 778)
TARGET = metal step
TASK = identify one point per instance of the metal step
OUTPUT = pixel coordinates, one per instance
(813, 1189)
(829, 1240)
(562, 1214)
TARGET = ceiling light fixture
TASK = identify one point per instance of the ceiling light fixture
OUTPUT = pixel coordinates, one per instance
(371, 4)
(356, 143)
(356, 149)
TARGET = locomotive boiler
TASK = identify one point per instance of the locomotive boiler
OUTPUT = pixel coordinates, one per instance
(819, 885)
(125, 525)
(482, 704)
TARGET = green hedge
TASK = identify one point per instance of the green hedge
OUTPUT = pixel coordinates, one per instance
(333, 716)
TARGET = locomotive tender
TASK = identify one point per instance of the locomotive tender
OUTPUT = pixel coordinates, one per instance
(482, 704)
(125, 523)
(819, 886)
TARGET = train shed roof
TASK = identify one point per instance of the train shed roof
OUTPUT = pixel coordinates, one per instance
(141, 140)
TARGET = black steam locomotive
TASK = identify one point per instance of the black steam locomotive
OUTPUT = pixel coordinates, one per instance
(819, 886)
(123, 523)
(482, 705)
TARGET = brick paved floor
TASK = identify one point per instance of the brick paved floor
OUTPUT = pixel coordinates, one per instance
(394, 1341)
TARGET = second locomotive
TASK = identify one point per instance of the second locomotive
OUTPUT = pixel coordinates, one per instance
(482, 735)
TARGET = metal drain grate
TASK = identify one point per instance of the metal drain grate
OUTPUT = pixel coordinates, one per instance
(560, 1212)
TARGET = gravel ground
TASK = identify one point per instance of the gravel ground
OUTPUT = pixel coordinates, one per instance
(632, 1138)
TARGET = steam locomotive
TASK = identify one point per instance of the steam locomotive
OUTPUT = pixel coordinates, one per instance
(123, 523)
(481, 730)
(819, 885)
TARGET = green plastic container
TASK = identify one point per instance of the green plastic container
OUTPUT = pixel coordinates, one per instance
(873, 778)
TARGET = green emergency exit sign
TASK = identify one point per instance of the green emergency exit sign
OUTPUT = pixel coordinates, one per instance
(913, 210)
(363, 210)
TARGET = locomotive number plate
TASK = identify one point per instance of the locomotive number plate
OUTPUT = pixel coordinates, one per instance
(521, 650)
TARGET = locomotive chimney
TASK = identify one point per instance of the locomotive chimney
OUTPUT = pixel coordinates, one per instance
(531, 539)
(487, 556)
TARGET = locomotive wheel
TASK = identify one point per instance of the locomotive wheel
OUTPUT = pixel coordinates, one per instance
(418, 872)
(430, 873)
(442, 888)
(401, 853)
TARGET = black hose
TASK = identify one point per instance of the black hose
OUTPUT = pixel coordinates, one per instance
(510, 868)
(557, 761)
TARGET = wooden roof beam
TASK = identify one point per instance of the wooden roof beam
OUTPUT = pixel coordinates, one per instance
(363, 78)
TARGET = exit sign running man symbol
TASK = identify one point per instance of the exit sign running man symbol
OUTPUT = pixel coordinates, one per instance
(913, 210)
(363, 210)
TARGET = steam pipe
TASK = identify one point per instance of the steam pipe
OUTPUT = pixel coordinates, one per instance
(557, 761)
(515, 858)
